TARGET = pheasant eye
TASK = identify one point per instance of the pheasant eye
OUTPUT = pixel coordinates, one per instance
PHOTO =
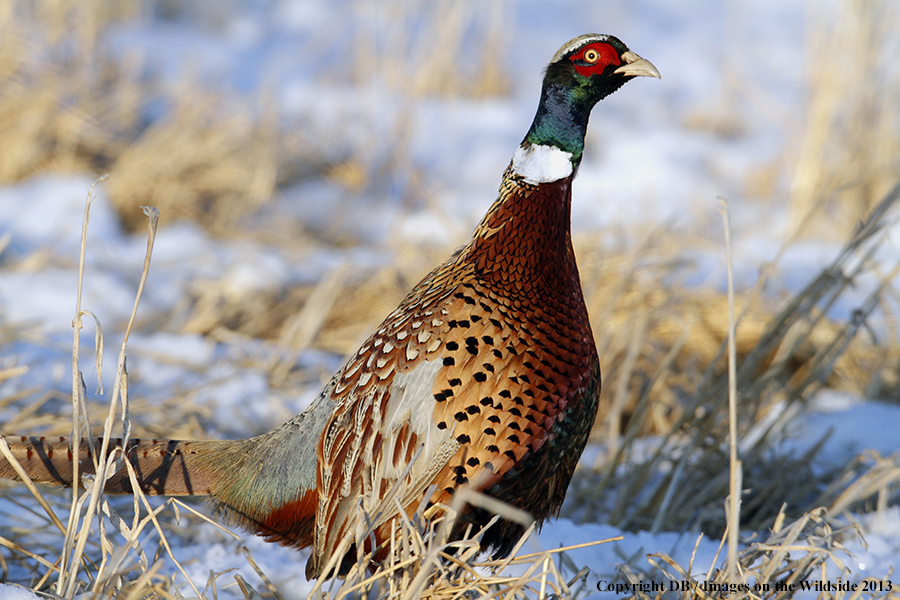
(591, 56)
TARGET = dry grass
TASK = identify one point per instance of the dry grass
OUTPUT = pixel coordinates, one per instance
(794, 555)
(431, 49)
(849, 151)
(205, 160)
(61, 109)
(77, 570)
(208, 159)
(668, 386)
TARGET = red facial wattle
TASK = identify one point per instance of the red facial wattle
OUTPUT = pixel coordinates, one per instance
(594, 58)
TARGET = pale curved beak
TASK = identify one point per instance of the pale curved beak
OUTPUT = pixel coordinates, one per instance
(635, 66)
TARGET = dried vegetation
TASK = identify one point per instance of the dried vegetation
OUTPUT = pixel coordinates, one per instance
(208, 158)
(849, 150)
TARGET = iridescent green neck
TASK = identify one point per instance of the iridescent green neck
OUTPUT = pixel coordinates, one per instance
(561, 120)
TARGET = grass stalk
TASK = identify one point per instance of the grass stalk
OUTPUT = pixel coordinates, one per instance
(735, 470)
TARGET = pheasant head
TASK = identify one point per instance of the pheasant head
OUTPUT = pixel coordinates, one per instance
(584, 71)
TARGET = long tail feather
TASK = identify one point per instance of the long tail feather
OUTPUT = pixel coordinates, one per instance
(162, 467)
(266, 484)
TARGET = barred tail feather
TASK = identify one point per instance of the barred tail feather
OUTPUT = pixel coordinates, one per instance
(265, 484)
(162, 467)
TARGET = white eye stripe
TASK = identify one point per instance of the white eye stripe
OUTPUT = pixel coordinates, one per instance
(580, 41)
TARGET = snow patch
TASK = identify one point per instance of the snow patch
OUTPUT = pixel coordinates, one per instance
(15, 592)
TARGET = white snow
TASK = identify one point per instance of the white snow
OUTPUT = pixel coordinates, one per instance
(10, 591)
(853, 425)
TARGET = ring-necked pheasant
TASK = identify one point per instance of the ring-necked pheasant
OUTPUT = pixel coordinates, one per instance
(487, 371)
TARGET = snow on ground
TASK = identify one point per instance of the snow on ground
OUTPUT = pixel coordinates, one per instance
(15, 592)
(643, 167)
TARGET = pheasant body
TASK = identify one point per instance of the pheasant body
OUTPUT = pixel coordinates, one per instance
(486, 374)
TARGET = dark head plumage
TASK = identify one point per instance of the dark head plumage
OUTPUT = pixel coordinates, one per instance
(583, 71)
(595, 65)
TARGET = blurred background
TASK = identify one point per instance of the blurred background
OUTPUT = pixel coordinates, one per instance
(313, 159)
